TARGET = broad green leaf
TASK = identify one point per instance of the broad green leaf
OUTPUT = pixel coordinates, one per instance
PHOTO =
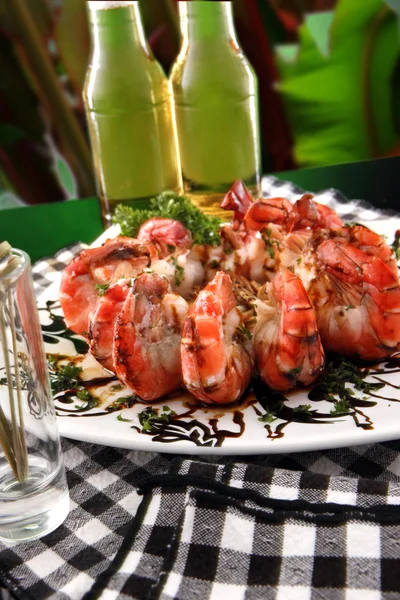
(340, 105)
(319, 27)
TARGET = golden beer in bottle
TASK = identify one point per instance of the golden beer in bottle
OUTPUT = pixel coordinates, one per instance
(216, 106)
(128, 106)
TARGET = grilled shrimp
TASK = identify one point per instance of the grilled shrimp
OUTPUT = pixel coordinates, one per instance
(267, 211)
(309, 214)
(164, 234)
(147, 336)
(356, 297)
(120, 257)
(238, 199)
(217, 357)
(102, 321)
(371, 243)
(286, 342)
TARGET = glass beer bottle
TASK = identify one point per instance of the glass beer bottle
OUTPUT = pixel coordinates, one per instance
(128, 106)
(216, 106)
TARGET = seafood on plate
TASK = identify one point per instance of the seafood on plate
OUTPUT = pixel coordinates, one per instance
(165, 234)
(102, 322)
(147, 337)
(217, 356)
(96, 267)
(286, 340)
(287, 283)
(356, 297)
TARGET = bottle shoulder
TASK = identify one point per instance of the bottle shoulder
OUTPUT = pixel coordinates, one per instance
(221, 71)
(133, 80)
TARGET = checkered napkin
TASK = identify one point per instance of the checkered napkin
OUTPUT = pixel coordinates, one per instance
(303, 525)
(242, 531)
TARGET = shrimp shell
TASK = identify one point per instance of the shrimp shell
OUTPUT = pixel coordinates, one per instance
(147, 338)
(286, 341)
(217, 358)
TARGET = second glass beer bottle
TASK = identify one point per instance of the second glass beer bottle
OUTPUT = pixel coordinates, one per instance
(216, 106)
(128, 107)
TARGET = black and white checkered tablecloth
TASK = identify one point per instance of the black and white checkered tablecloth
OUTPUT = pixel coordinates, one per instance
(312, 525)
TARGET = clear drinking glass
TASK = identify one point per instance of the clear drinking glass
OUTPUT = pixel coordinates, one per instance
(34, 498)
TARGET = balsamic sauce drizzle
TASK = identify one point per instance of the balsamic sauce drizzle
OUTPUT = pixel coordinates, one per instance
(271, 408)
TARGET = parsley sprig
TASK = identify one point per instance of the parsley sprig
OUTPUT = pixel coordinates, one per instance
(170, 205)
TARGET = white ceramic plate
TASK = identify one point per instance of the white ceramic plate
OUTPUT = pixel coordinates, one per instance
(374, 416)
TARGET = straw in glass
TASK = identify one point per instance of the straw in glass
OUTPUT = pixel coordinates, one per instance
(12, 434)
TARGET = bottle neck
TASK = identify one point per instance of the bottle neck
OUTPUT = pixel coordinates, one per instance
(201, 20)
(116, 25)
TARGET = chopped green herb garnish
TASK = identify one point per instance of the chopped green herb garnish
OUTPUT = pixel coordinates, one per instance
(65, 377)
(303, 408)
(333, 382)
(52, 360)
(205, 229)
(243, 329)
(268, 417)
(214, 264)
(179, 272)
(84, 394)
(149, 417)
(121, 418)
(122, 402)
(341, 407)
(349, 307)
(296, 371)
(270, 242)
(396, 244)
(116, 387)
(102, 288)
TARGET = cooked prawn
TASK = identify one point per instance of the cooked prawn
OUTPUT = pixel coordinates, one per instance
(120, 257)
(102, 321)
(217, 357)
(286, 341)
(147, 337)
(356, 297)
(263, 213)
(309, 214)
(238, 199)
(165, 234)
(371, 243)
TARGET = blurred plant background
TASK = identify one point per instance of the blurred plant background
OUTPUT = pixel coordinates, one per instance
(328, 71)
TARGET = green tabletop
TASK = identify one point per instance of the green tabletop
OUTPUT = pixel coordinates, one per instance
(42, 230)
